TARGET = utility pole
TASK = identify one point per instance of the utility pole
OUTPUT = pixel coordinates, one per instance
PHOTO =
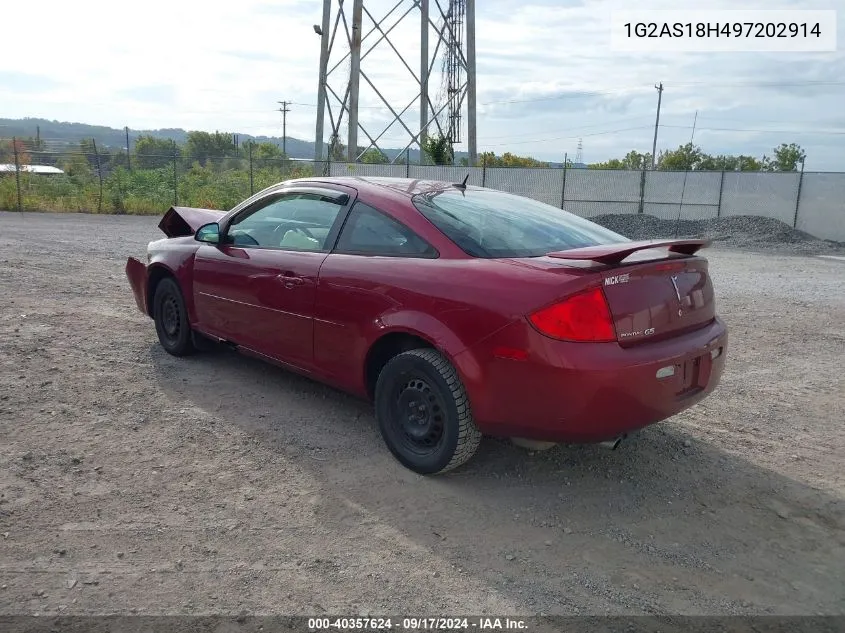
(323, 32)
(472, 146)
(423, 78)
(284, 110)
(354, 79)
(656, 124)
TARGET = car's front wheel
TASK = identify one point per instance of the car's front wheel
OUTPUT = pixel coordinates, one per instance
(171, 318)
(423, 412)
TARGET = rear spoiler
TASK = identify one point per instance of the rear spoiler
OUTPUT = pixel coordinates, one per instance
(615, 253)
(184, 221)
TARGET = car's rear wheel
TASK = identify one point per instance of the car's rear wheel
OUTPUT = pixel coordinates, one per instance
(423, 412)
(171, 318)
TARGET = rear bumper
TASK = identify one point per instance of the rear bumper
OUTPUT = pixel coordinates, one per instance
(136, 272)
(588, 392)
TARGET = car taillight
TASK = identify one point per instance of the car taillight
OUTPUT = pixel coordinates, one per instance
(584, 316)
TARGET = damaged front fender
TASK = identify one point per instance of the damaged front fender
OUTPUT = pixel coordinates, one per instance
(136, 272)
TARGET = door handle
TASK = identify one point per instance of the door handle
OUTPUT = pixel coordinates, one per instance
(290, 280)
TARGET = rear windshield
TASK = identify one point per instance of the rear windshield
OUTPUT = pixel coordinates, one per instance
(489, 224)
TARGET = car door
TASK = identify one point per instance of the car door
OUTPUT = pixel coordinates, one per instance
(364, 278)
(257, 287)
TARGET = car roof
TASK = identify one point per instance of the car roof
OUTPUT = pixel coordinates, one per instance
(405, 186)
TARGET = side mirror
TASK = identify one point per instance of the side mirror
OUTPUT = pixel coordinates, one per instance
(209, 233)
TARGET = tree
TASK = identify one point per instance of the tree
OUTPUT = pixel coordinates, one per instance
(337, 150)
(747, 163)
(203, 145)
(637, 161)
(786, 158)
(686, 158)
(152, 152)
(633, 160)
(690, 157)
(264, 152)
(724, 162)
(439, 149)
(509, 160)
(374, 156)
(613, 163)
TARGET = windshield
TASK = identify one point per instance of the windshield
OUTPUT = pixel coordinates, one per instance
(487, 223)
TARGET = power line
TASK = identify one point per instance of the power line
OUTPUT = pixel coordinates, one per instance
(760, 84)
(561, 138)
(731, 129)
(581, 127)
(756, 120)
(580, 95)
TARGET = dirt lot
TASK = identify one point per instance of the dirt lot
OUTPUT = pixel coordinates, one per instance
(134, 482)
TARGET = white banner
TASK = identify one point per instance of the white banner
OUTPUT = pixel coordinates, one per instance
(725, 31)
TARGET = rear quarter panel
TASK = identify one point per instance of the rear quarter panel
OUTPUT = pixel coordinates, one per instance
(452, 303)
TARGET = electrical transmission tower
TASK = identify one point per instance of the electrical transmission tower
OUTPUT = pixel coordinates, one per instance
(579, 155)
(453, 68)
(356, 48)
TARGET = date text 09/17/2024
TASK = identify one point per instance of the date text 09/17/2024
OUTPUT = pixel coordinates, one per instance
(416, 624)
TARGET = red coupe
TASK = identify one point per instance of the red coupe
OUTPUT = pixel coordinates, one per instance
(458, 310)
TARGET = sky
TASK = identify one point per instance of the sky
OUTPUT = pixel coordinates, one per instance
(547, 76)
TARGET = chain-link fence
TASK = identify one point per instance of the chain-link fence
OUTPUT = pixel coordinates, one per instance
(38, 177)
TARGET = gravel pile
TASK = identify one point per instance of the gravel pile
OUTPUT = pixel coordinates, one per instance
(746, 231)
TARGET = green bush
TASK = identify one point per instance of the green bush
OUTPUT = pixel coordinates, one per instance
(216, 185)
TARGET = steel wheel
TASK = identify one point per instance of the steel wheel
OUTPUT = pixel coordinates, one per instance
(423, 412)
(171, 319)
(419, 412)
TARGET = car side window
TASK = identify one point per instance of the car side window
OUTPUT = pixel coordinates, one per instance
(368, 231)
(294, 221)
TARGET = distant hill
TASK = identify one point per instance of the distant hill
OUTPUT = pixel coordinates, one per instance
(58, 132)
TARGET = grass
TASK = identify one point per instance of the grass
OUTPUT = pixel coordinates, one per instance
(144, 191)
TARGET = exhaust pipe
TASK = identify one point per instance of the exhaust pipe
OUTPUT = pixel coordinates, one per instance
(612, 444)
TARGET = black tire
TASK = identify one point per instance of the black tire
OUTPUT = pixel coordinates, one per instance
(171, 319)
(423, 412)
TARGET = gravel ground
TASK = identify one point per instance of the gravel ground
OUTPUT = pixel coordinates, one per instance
(135, 482)
(750, 233)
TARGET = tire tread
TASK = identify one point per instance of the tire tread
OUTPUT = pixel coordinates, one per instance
(469, 437)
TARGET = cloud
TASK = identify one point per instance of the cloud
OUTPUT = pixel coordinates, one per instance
(162, 94)
(254, 56)
(224, 66)
(22, 82)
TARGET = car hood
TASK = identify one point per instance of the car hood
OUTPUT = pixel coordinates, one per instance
(184, 221)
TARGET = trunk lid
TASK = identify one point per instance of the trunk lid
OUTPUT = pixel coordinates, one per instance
(184, 221)
(655, 290)
(658, 300)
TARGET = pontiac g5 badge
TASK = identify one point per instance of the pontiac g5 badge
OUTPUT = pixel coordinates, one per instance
(675, 285)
